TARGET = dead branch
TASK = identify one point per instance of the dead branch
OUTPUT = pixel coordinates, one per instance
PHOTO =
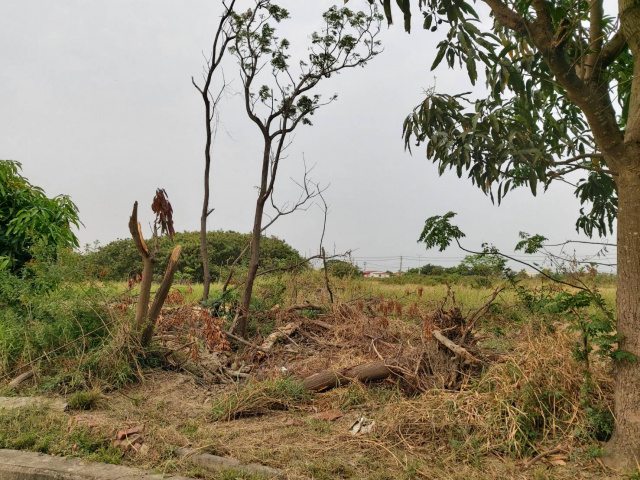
(277, 335)
(475, 316)
(540, 456)
(457, 349)
(243, 341)
(20, 378)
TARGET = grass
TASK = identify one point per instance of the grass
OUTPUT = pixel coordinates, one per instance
(256, 398)
(45, 431)
(527, 399)
(84, 400)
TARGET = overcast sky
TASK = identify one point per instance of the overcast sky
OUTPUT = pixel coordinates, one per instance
(96, 102)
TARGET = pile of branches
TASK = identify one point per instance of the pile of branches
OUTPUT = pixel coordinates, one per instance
(364, 341)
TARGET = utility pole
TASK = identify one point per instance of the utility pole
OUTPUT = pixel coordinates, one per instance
(401, 263)
(365, 267)
(419, 264)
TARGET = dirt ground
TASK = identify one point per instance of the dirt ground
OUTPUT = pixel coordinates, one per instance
(175, 412)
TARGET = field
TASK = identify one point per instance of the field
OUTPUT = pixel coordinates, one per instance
(531, 408)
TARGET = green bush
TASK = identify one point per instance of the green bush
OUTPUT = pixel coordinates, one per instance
(39, 312)
(28, 217)
(119, 259)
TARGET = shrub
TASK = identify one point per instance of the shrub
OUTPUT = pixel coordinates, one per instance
(119, 259)
(29, 217)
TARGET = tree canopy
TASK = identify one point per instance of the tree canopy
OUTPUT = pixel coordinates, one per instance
(118, 260)
(28, 217)
(529, 130)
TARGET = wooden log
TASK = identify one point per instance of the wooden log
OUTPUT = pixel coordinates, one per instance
(457, 349)
(367, 372)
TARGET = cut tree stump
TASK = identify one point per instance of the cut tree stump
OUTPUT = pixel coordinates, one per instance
(367, 372)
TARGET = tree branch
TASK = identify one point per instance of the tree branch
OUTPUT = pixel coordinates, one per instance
(612, 49)
(507, 17)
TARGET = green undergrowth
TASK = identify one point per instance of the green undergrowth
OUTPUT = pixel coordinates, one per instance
(39, 429)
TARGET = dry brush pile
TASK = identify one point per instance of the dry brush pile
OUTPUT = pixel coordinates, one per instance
(453, 390)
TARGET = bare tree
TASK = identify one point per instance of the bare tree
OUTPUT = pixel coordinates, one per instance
(220, 43)
(346, 40)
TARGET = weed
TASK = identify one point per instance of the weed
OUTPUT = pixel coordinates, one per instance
(256, 398)
(353, 395)
(41, 430)
(321, 427)
(84, 400)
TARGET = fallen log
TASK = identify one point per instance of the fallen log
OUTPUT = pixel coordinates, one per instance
(457, 349)
(367, 372)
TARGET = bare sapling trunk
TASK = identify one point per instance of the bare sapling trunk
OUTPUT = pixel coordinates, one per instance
(256, 235)
(218, 50)
(145, 318)
(204, 254)
(326, 275)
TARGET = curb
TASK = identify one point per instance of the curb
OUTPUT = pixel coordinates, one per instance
(17, 465)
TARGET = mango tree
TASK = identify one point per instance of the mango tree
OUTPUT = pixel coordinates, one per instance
(562, 104)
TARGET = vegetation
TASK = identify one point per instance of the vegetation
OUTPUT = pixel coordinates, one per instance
(527, 400)
(550, 68)
(342, 269)
(29, 218)
(119, 260)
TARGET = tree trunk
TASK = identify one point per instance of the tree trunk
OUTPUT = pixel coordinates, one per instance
(254, 262)
(148, 262)
(256, 235)
(206, 272)
(203, 245)
(624, 447)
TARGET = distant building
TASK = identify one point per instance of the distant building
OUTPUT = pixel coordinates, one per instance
(375, 274)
